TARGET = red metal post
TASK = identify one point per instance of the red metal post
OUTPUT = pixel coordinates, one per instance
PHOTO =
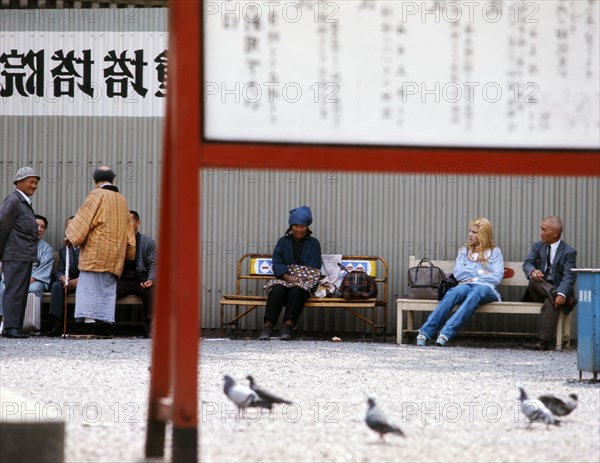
(160, 374)
(176, 338)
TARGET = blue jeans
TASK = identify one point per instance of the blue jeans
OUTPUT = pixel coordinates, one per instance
(470, 296)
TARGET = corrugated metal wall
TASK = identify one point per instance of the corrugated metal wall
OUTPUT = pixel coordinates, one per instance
(246, 210)
(393, 216)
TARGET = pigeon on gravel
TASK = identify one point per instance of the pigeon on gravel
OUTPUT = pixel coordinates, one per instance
(378, 422)
(242, 396)
(535, 410)
(558, 406)
(264, 395)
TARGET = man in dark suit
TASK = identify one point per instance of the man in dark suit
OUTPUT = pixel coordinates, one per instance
(57, 290)
(18, 249)
(549, 268)
(139, 275)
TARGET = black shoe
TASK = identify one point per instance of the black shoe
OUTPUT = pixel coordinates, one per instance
(56, 331)
(148, 328)
(542, 345)
(14, 333)
(103, 330)
(265, 334)
(286, 332)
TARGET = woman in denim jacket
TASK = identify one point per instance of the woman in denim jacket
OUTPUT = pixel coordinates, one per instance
(479, 269)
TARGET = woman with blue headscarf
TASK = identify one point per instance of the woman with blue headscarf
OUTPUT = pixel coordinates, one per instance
(296, 266)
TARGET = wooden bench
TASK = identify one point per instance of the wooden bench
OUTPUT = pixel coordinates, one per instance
(513, 276)
(257, 267)
(127, 300)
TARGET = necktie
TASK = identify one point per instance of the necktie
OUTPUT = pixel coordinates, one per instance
(548, 262)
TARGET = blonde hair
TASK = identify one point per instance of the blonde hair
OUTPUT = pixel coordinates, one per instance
(485, 236)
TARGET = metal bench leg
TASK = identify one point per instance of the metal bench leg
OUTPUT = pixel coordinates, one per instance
(559, 331)
(567, 330)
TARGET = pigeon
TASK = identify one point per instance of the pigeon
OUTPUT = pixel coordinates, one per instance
(242, 396)
(535, 410)
(378, 422)
(264, 395)
(558, 406)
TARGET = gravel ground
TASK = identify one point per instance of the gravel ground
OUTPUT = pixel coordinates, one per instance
(455, 404)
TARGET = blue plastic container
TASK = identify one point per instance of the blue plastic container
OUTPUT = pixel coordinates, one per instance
(588, 321)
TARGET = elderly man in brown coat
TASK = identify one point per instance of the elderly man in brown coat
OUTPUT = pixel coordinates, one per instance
(102, 228)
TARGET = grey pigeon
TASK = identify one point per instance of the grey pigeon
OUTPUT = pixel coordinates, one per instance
(264, 395)
(535, 410)
(558, 406)
(242, 396)
(378, 422)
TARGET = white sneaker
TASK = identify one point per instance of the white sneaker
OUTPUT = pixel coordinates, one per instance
(441, 340)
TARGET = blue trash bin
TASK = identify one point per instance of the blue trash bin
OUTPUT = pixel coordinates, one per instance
(588, 321)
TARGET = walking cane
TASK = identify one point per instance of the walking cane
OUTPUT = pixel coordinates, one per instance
(66, 289)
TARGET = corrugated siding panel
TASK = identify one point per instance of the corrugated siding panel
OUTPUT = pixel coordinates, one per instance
(247, 210)
(65, 150)
(389, 215)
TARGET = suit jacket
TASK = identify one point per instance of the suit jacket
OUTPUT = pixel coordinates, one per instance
(145, 260)
(561, 274)
(18, 229)
(73, 263)
(42, 268)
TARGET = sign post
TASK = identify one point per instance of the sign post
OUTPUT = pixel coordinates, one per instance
(173, 393)
(229, 132)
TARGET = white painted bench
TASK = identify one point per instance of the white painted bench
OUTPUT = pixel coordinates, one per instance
(513, 276)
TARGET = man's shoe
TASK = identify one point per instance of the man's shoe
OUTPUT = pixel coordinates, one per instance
(56, 331)
(265, 334)
(14, 333)
(541, 345)
(286, 332)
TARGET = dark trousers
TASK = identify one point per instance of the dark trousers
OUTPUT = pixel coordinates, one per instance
(292, 298)
(14, 300)
(132, 287)
(57, 299)
(544, 291)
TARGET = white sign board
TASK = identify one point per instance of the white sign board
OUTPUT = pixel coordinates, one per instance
(497, 74)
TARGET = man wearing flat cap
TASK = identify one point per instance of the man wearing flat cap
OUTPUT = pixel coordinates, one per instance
(18, 249)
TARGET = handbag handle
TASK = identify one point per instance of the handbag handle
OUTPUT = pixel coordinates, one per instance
(425, 260)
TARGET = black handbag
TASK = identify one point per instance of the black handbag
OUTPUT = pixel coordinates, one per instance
(449, 282)
(425, 281)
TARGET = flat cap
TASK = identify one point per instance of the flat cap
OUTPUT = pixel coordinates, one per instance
(25, 172)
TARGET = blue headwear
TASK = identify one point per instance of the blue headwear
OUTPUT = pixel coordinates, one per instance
(301, 216)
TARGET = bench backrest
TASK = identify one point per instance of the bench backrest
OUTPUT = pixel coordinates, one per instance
(259, 267)
(264, 265)
(513, 271)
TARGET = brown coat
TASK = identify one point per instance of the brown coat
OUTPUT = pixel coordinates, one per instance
(102, 228)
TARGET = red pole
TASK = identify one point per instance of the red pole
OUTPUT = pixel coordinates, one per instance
(160, 374)
(177, 316)
(184, 269)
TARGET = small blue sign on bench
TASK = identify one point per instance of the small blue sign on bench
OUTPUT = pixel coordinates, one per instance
(264, 266)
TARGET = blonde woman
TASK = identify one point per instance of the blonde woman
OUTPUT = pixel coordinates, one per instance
(479, 269)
